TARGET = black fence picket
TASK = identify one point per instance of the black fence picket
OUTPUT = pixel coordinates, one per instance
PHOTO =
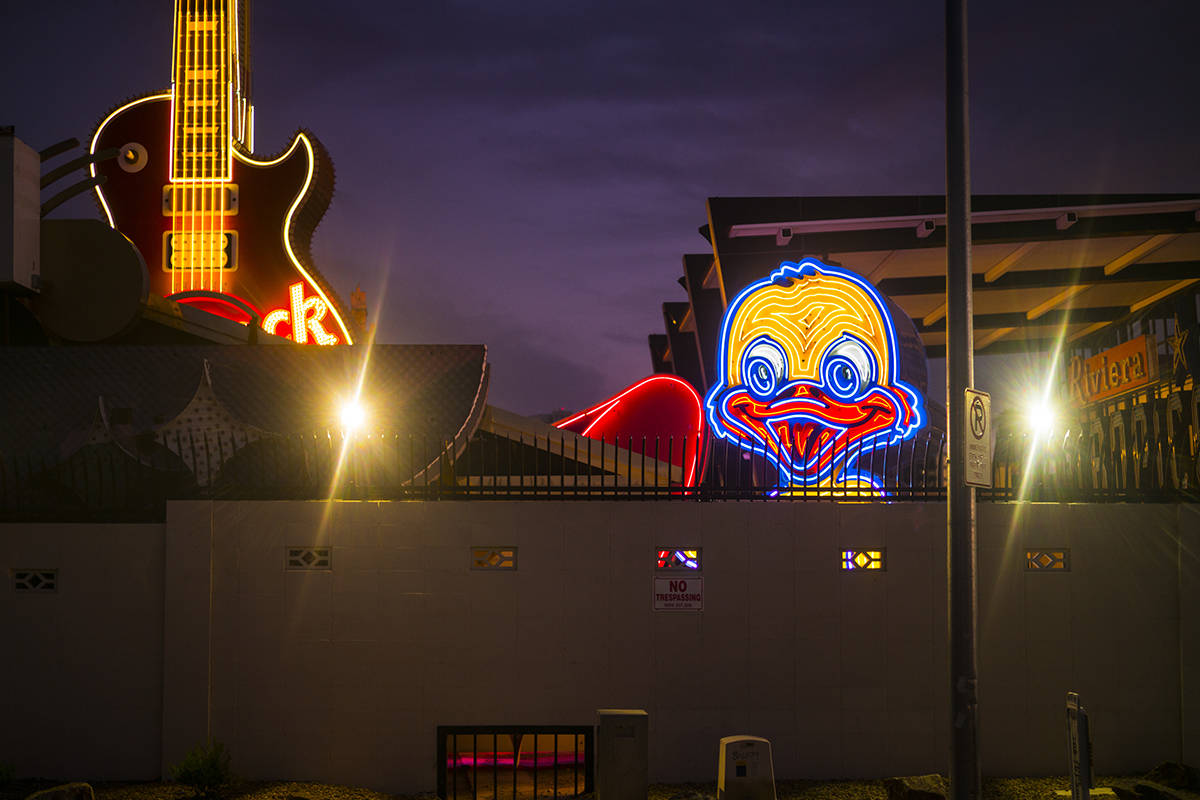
(118, 481)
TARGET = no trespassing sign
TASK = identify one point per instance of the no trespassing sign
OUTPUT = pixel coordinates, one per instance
(679, 594)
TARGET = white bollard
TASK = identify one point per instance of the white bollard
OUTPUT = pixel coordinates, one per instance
(745, 770)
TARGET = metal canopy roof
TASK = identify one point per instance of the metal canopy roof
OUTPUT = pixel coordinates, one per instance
(1040, 262)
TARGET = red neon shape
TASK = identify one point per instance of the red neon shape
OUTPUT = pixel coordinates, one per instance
(660, 408)
(220, 306)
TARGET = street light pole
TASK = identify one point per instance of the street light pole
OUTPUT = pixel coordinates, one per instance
(960, 375)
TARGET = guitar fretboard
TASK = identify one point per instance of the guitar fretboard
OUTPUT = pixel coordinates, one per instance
(203, 95)
(206, 99)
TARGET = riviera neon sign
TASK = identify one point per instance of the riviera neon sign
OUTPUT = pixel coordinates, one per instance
(808, 376)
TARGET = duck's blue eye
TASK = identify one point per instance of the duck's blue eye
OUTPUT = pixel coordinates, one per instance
(848, 369)
(764, 368)
(843, 378)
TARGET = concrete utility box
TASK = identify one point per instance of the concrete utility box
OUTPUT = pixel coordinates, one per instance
(622, 753)
(745, 770)
(20, 213)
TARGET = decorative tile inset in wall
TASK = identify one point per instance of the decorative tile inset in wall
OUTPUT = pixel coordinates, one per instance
(1057, 560)
(310, 558)
(863, 559)
(29, 581)
(493, 557)
(677, 558)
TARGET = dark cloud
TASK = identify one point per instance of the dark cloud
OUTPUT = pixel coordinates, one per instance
(527, 175)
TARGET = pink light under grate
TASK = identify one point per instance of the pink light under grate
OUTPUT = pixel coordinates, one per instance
(502, 759)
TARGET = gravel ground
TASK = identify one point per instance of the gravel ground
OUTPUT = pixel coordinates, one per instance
(993, 789)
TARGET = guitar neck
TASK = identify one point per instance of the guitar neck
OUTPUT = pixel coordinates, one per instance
(210, 103)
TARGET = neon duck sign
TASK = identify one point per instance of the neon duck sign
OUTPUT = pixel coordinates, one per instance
(808, 377)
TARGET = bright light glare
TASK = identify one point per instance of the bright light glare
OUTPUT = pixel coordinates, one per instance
(1041, 417)
(352, 415)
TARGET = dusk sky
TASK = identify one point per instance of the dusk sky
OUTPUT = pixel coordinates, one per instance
(527, 175)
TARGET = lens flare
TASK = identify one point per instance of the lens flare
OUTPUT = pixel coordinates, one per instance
(352, 415)
(1041, 418)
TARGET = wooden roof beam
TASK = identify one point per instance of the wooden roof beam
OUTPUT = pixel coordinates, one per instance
(1058, 299)
(934, 316)
(1145, 248)
(1154, 298)
(1000, 347)
(991, 336)
(1006, 263)
(1047, 278)
(1017, 319)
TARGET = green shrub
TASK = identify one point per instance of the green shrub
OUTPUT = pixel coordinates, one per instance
(205, 769)
(7, 773)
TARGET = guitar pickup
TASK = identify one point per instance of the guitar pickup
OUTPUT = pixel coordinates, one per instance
(200, 252)
(199, 198)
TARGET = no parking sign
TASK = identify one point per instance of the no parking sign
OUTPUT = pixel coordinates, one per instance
(977, 433)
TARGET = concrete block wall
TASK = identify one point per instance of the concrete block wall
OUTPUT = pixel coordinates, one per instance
(1108, 629)
(342, 675)
(1189, 631)
(845, 673)
(81, 667)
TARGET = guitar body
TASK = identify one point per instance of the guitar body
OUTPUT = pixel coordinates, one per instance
(278, 204)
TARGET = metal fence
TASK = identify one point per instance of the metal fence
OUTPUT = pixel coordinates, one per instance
(1078, 467)
(133, 480)
(514, 761)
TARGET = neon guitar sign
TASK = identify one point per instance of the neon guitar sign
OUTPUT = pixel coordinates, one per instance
(218, 228)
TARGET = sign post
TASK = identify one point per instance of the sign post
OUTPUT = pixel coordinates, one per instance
(965, 783)
(977, 434)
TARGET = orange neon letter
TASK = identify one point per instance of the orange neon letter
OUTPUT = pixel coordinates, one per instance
(307, 313)
(305, 318)
(271, 321)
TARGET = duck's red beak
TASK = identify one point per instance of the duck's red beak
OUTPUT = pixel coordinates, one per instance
(808, 429)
